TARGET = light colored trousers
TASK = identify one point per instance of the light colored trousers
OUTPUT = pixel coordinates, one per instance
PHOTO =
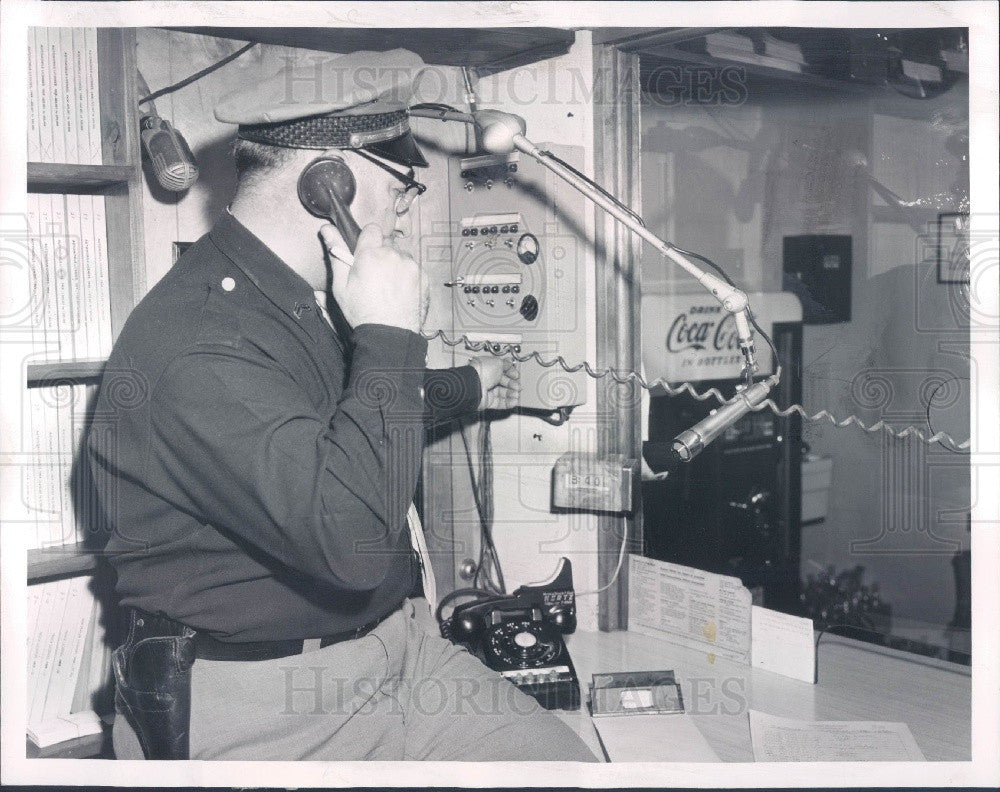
(400, 692)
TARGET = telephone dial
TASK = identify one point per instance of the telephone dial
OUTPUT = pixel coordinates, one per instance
(521, 636)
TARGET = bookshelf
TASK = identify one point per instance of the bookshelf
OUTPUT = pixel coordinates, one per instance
(118, 179)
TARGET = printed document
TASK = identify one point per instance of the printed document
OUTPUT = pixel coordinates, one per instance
(777, 739)
(694, 608)
(783, 644)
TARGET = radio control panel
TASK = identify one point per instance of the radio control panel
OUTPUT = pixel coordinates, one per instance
(518, 261)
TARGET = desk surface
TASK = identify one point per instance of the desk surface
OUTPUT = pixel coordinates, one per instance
(856, 681)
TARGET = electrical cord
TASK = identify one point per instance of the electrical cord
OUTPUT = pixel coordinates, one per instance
(618, 567)
(630, 377)
(944, 439)
(488, 557)
(731, 282)
(444, 108)
(596, 186)
(493, 571)
(446, 112)
(930, 403)
(479, 510)
(197, 75)
(440, 112)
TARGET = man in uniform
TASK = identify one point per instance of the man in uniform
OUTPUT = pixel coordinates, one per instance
(258, 455)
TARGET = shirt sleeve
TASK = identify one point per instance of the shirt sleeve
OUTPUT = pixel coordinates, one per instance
(237, 442)
(451, 393)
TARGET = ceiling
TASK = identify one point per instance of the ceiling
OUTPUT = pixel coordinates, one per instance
(487, 50)
(844, 58)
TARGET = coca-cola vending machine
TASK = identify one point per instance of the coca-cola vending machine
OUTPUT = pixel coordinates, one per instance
(735, 509)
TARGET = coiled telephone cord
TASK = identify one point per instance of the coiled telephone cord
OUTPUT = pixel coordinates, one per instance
(501, 350)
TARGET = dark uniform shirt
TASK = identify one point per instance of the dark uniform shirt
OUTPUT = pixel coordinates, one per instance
(255, 465)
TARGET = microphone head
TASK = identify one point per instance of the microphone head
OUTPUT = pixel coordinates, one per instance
(169, 154)
(498, 130)
(176, 176)
(687, 445)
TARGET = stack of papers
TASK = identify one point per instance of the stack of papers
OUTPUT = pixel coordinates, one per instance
(653, 738)
(777, 739)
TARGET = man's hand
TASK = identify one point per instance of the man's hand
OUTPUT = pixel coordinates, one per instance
(382, 286)
(498, 378)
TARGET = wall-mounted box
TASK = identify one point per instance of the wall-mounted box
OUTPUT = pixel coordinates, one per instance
(593, 483)
(817, 269)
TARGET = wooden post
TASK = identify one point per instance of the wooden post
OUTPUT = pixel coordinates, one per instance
(616, 168)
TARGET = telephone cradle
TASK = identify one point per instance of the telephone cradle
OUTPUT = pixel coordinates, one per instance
(521, 637)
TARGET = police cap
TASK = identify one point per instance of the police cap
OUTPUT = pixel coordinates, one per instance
(353, 101)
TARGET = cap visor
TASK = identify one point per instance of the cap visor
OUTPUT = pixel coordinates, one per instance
(402, 150)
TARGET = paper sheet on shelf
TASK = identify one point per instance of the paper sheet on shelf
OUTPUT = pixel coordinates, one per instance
(64, 727)
(653, 738)
(777, 739)
(783, 644)
(692, 607)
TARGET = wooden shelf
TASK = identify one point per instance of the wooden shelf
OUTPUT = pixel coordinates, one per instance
(58, 371)
(120, 182)
(755, 66)
(62, 176)
(73, 559)
(488, 50)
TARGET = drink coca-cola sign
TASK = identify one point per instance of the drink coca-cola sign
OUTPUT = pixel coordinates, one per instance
(703, 327)
(702, 339)
(687, 337)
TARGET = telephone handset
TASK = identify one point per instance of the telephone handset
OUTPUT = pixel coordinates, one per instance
(327, 188)
(521, 636)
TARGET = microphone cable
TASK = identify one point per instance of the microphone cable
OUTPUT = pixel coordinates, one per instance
(197, 75)
(631, 378)
(600, 189)
(482, 485)
(446, 112)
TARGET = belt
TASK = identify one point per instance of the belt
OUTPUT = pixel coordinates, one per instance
(149, 625)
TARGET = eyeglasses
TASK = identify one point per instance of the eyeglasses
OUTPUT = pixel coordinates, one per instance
(411, 189)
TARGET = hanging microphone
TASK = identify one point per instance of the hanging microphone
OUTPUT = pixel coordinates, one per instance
(662, 459)
(173, 163)
(689, 443)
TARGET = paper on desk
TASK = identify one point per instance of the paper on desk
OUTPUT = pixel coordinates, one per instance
(653, 738)
(777, 739)
(782, 644)
(693, 607)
